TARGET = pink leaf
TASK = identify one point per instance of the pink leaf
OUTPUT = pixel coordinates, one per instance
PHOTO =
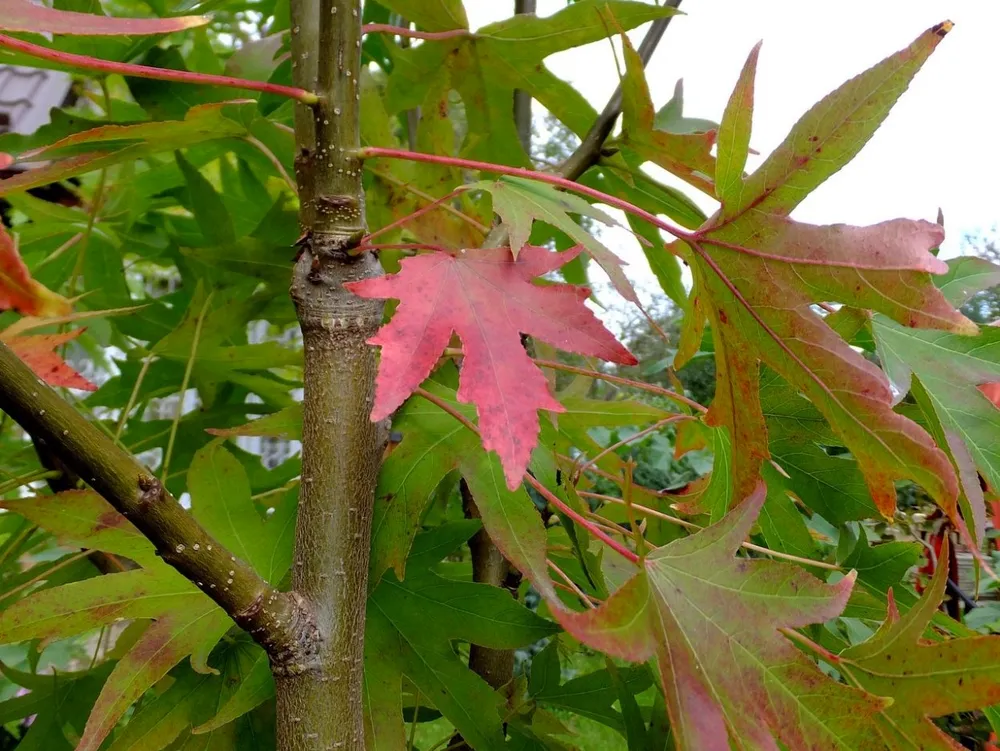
(489, 300)
(22, 15)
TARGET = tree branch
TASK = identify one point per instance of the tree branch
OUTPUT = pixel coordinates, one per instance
(589, 151)
(341, 447)
(522, 99)
(276, 620)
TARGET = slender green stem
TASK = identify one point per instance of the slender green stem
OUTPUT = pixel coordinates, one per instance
(132, 397)
(33, 476)
(165, 470)
(68, 561)
(14, 544)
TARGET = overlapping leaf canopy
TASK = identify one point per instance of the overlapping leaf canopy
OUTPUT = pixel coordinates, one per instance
(151, 262)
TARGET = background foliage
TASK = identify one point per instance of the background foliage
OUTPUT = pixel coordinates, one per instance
(174, 238)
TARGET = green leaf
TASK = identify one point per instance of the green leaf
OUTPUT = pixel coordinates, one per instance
(82, 518)
(410, 627)
(187, 624)
(209, 210)
(256, 686)
(488, 65)
(220, 500)
(108, 145)
(712, 620)
(734, 134)
(686, 155)
(671, 117)
(521, 202)
(432, 15)
(57, 705)
(285, 424)
(950, 368)
(924, 680)
(592, 695)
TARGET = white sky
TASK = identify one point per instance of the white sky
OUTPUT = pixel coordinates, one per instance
(937, 148)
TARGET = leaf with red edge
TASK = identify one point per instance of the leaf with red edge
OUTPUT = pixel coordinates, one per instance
(949, 376)
(712, 621)
(23, 15)
(18, 290)
(38, 351)
(687, 155)
(757, 274)
(489, 300)
(924, 679)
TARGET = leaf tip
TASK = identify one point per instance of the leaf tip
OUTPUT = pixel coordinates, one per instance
(942, 29)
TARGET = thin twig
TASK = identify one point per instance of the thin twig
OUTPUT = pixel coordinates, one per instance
(589, 151)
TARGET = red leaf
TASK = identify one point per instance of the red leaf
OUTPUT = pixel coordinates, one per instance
(39, 353)
(18, 290)
(489, 300)
(22, 15)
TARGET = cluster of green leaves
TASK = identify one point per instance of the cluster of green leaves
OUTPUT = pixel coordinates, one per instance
(175, 243)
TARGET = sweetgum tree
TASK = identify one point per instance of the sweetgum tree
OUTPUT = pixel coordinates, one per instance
(162, 588)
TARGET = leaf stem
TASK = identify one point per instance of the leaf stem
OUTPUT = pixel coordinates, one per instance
(625, 441)
(45, 574)
(132, 397)
(424, 196)
(543, 491)
(812, 646)
(645, 510)
(571, 585)
(374, 152)
(400, 31)
(146, 71)
(195, 341)
(620, 380)
(35, 476)
(412, 215)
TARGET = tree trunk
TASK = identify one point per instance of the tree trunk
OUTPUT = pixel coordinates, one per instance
(321, 708)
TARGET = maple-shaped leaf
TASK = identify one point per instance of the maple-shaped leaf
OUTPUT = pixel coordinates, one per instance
(924, 678)
(487, 65)
(685, 154)
(520, 203)
(24, 15)
(409, 632)
(57, 704)
(38, 351)
(185, 622)
(489, 300)
(712, 621)
(757, 274)
(108, 145)
(951, 374)
(19, 291)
